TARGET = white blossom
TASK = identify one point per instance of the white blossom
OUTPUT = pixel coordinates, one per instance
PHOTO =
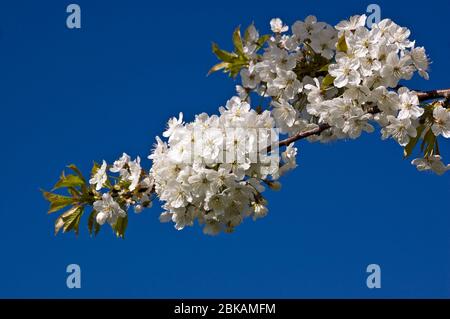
(108, 210)
(400, 129)
(99, 177)
(277, 26)
(433, 163)
(441, 123)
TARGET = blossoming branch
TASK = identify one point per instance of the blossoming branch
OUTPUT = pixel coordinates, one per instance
(317, 82)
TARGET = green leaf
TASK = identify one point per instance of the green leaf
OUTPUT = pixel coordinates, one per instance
(430, 146)
(327, 81)
(57, 201)
(77, 172)
(263, 39)
(70, 220)
(74, 192)
(120, 226)
(324, 68)
(237, 41)
(236, 68)
(91, 221)
(247, 32)
(95, 168)
(427, 146)
(413, 142)
(219, 66)
(222, 54)
(59, 223)
(342, 44)
(68, 181)
(436, 149)
(93, 226)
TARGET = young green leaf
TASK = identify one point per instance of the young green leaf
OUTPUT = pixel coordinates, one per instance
(68, 181)
(57, 201)
(413, 142)
(91, 221)
(69, 220)
(237, 41)
(219, 66)
(263, 39)
(222, 54)
(324, 68)
(120, 226)
(72, 218)
(77, 172)
(327, 81)
(342, 44)
(93, 226)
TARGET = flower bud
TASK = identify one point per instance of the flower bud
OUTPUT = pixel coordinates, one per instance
(101, 218)
(276, 186)
(138, 209)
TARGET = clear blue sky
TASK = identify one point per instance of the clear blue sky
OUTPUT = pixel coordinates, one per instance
(74, 96)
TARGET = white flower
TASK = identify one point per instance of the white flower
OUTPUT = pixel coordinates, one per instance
(387, 101)
(135, 173)
(397, 68)
(183, 217)
(420, 61)
(432, 162)
(276, 25)
(204, 183)
(353, 23)
(260, 210)
(286, 83)
(400, 129)
(282, 59)
(120, 163)
(324, 42)
(441, 123)
(108, 210)
(289, 159)
(212, 144)
(357, 124)
(307, 29)
(409, 104)
(363, 41)
(399, 36)
(249, 80)
(99, 177)
(251, 40)
(173, 124)
(345, 72)
(284, 114)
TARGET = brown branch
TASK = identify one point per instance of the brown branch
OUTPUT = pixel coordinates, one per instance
(423, 96)
(434, 94)
(315, 131)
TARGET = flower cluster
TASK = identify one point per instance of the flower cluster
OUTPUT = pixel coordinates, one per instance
(133, 187)
(213, 169)
(348, 77)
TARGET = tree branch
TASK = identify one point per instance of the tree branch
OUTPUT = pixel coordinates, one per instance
(434, 94)
(315, 131)
(423, 96)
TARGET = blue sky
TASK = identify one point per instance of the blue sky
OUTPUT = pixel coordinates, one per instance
(74, 96)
